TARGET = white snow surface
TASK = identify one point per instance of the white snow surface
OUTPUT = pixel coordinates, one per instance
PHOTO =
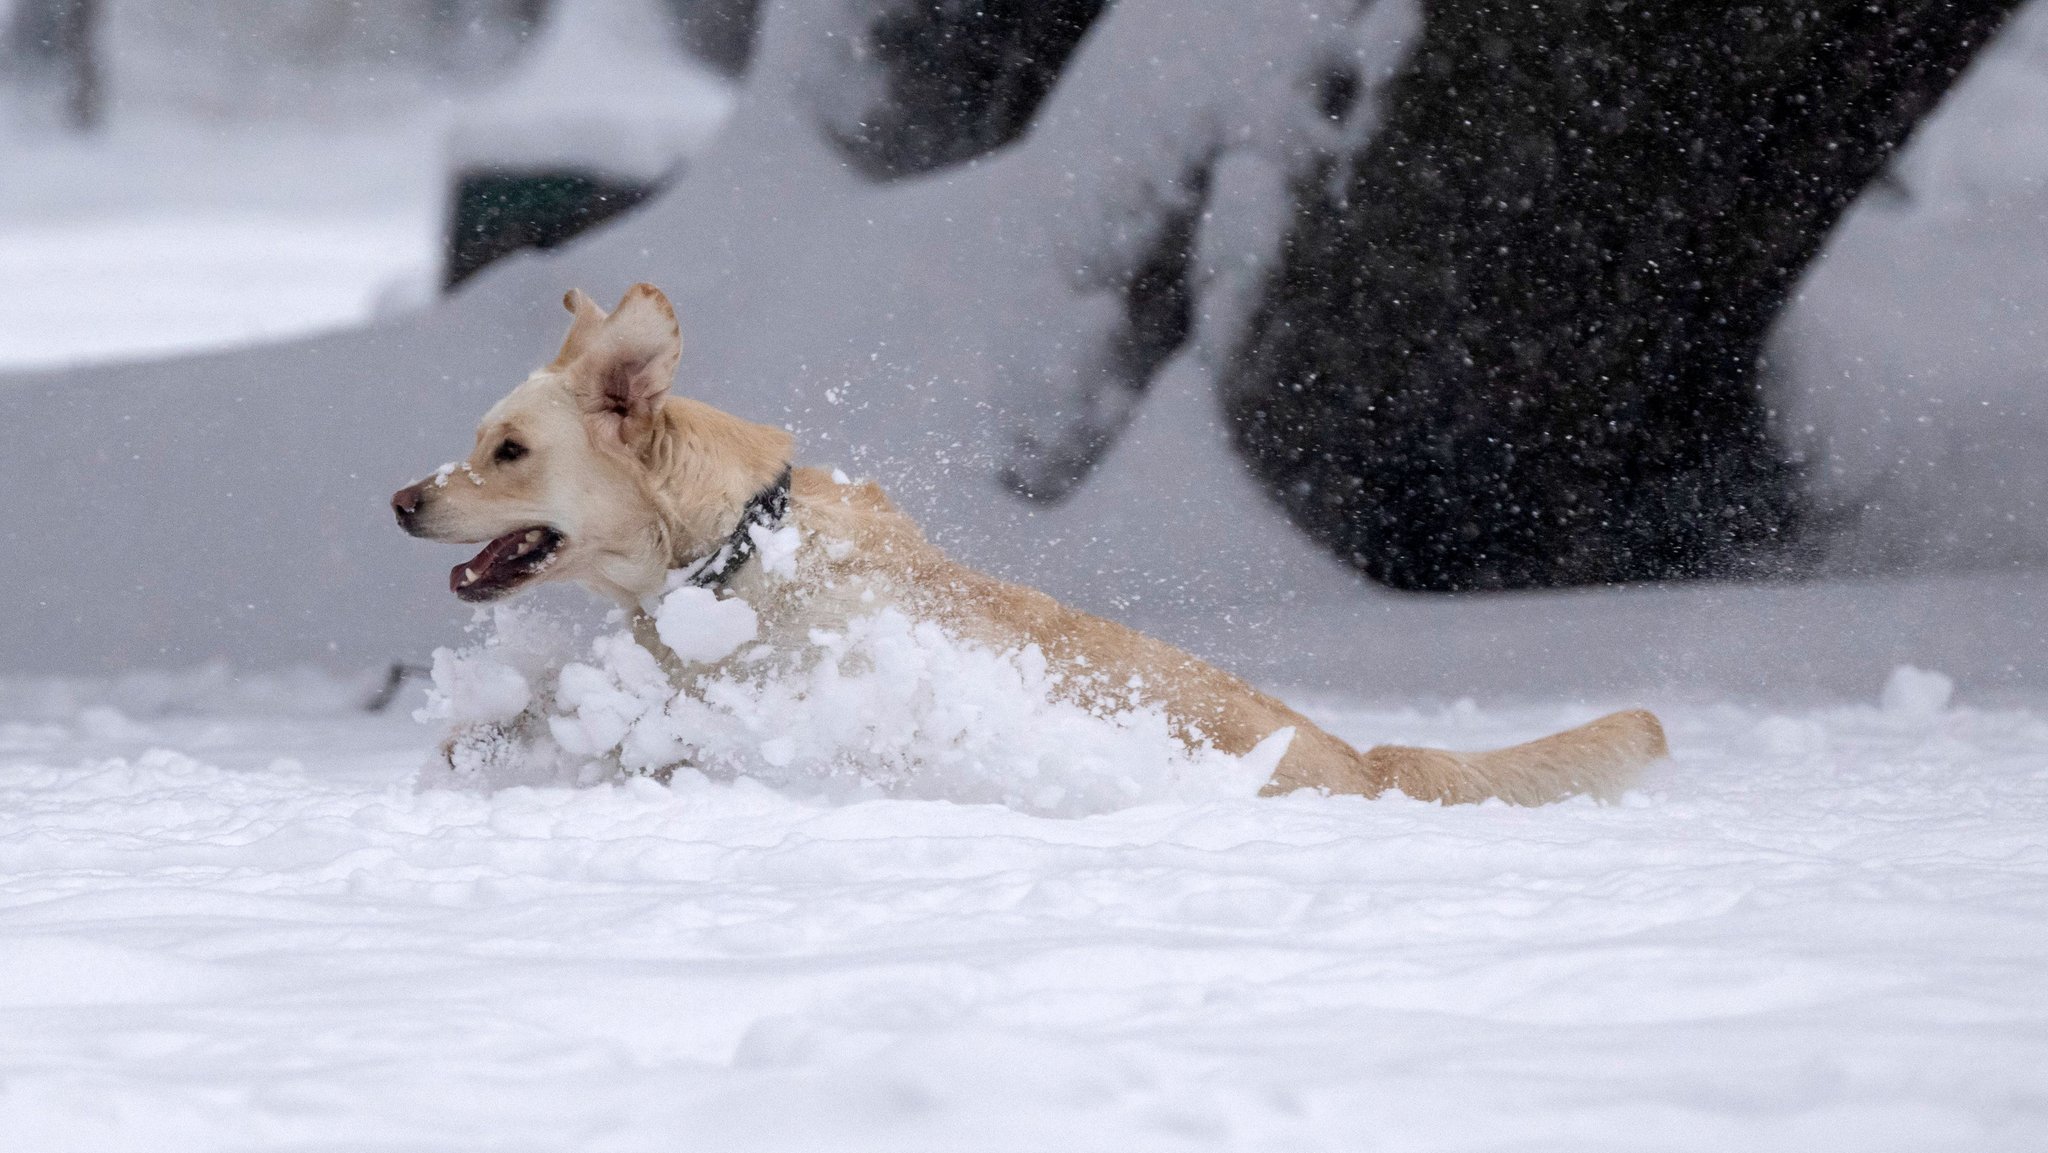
(242, 192)
(227, 923)
(157, 237)
(603, 89)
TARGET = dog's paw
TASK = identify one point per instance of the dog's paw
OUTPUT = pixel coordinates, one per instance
(480, 754)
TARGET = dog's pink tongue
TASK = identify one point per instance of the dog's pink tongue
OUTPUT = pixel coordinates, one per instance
(478, 567)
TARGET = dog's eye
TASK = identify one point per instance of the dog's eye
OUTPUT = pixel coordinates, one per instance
(508, 452)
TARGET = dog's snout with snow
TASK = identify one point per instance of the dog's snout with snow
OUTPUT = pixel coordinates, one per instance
(405, 504)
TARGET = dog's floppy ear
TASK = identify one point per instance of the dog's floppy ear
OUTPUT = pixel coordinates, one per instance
(589, 318)
(623, 369)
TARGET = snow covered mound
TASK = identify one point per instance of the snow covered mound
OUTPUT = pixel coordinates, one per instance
(889, 706)
(1816, 929)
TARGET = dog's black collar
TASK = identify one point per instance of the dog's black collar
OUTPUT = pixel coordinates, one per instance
(766, 510)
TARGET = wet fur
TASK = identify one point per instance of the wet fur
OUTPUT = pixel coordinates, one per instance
(638, 482)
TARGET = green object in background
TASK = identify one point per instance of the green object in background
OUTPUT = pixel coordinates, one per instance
(497, 213)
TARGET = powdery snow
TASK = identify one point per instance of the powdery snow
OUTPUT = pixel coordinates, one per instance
(225, 926)
(603, 89)
(877, 704)
(186, 283)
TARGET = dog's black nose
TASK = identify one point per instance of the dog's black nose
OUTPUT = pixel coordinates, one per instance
(406, 502)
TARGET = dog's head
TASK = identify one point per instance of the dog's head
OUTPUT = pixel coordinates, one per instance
(566, 480)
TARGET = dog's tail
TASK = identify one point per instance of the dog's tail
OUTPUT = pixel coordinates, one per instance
(1599, 758)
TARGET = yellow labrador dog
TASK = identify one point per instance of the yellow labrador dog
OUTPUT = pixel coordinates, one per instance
(591, 471)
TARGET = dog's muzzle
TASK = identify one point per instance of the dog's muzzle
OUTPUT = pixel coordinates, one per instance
(405, 504)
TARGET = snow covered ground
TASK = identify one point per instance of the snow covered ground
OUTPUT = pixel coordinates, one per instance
(230, 922)
(160, 237)
(239, 195)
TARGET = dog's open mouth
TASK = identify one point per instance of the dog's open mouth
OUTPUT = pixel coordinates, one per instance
(505, 564)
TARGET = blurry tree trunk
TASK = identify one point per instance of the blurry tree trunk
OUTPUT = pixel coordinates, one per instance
(1515, 341)
(53, 40)
(720, 32)
(957, 78)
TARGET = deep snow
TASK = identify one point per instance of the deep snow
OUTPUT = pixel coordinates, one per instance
(232, 927)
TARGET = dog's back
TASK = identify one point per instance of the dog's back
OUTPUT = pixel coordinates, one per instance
(1205, 703)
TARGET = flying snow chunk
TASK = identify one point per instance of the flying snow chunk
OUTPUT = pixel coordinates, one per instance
(777, 548)
(1916, 693)
(470, 689)
(1790, 736)
(698, 626)
(1263, 759)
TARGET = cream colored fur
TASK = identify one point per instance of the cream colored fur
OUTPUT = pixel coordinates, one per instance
(638, 482)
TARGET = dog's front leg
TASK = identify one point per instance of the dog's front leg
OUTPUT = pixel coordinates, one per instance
(491, 752)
